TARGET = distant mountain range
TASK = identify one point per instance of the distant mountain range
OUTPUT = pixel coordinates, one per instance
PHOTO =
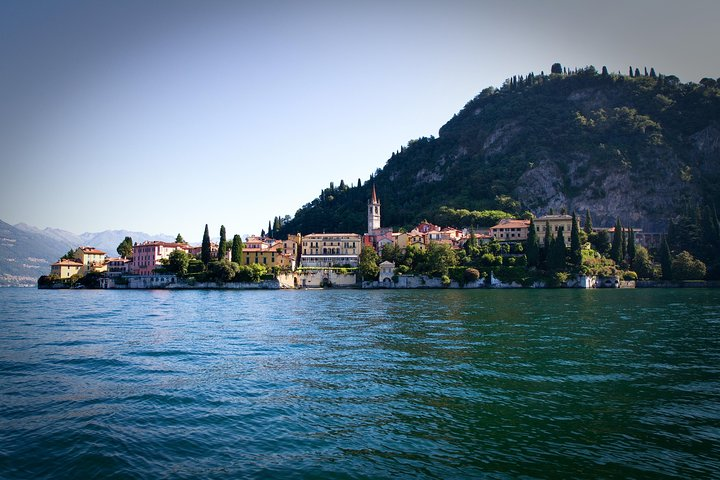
(26, 252)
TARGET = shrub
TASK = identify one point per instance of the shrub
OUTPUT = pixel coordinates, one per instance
(471, 275)
(445, 280)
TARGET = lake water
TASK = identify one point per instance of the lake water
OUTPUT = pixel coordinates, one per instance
(360, 384)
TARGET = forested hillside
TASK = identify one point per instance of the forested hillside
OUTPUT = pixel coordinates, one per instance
(641, 147)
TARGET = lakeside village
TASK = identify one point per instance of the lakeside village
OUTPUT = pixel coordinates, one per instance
(550, 251)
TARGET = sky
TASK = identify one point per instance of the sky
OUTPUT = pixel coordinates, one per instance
(163, 116)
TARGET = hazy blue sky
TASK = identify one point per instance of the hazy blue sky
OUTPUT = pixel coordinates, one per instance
(162, 116)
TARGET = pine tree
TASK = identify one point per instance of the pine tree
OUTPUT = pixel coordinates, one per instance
(205, 252)
(616, 250)
(532, 249)
(588, 228)
(222, 246)
(179, 239)
(575, 247)
(665, 260)
(631, 246)
(236, 252)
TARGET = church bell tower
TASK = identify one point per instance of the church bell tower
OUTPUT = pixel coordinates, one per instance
(373, 212)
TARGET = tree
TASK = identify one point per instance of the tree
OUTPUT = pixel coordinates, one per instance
(222, 270)
(276, 226)
(269, 230)
(637, 72)
(368, 263)
(556, 68)
(687, 267)
(179, 239)
(71, 254)
(556, 252)
(438, 260)
(178, 262)
(616, 251)
(205, 252)
(665, 260)
(652, 73)
(236, 251)
(604, 71)
(222, 246)
(547, 241)
(575, 247)
(600, 241)
(588, 223)
(631, 249)
(125, 248)
(642, 263)
(532, 250)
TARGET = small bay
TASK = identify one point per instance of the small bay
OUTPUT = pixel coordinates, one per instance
(360, 384)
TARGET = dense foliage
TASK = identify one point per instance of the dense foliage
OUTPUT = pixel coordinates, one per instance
(581, 126)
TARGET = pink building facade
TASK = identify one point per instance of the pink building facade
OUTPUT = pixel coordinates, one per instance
(147, 255)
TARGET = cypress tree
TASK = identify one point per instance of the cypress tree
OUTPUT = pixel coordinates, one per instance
(270, 230)
(532, 250)
(652, 73)
(547, 240)
(237, 246)
(623, 245)
(631, 72)
(205, 252)
(575, 248)
(276, 226)
(588, 223)
(637, 72)
(222, 246)
(556, 255)
(665, 260)
(616, 250)
(631, 246)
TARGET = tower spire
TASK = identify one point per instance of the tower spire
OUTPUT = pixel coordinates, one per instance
(373, 212)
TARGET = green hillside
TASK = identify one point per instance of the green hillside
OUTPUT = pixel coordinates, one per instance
(641, 147)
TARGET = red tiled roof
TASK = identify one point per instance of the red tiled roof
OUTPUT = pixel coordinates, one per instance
(67, 263)
(92, 251)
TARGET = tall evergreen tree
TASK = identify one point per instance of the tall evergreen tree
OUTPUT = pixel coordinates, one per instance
(205, 251)
(575, 247)
(236, 252)
(532, 250)
(623, 245)
(222, 246)
(631, 245)
(588, 228)
(556, 254)
(652, 73)
(179, 239)
(276, 226)
(547, 240)
(616, 250)
(665, 260)
(637, 72)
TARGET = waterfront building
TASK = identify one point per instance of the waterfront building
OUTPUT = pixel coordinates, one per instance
(267, 252)
(331, 249)
(387, 270)
(117, 266)
(147, 256)
(511, 230)
(556, 223)
(214, 247)
(91, 259)
(66, 268)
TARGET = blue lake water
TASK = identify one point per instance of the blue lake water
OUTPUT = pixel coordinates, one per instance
(360, 384)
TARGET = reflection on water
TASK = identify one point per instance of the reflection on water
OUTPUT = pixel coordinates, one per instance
(432, 383)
